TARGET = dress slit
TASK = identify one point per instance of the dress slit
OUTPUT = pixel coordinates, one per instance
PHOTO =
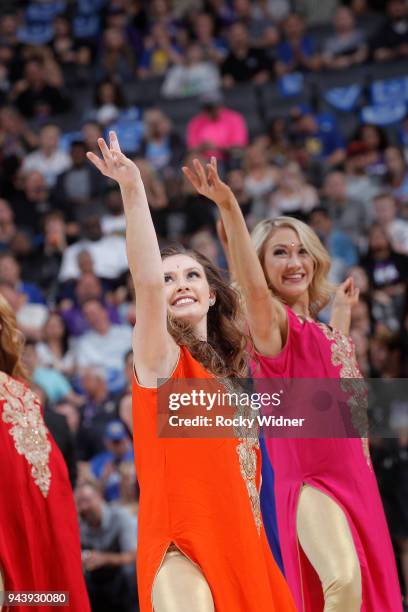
(172, 546)
(307, 572)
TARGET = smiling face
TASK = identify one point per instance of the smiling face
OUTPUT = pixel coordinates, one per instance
(187, 290)
(289, 266)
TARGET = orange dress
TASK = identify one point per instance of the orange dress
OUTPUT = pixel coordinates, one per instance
(202, 496)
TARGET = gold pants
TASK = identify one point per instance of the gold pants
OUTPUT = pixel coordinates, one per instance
(180, 586)
(325, 537)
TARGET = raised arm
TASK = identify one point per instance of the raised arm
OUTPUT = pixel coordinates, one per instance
(154, 350)
(222, 237)
(267, 317)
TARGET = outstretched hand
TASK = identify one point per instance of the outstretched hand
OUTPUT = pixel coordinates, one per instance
(209, 184)
(347, 294)
(114, 164)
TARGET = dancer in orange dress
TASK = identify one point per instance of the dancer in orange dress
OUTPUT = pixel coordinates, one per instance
(202, 546)
(39, 534)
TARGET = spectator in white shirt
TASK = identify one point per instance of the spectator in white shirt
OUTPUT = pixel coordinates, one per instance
(386, 211)
(193, 77)
(48, 159)
(104, 345)
(108, 253)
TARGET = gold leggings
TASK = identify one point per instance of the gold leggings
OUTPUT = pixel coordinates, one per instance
(180, 586)
(325, 537)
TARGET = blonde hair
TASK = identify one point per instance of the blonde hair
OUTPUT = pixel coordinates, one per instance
(320, 289)
(11, 342)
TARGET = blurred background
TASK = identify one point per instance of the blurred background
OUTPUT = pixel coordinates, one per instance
(303, 103)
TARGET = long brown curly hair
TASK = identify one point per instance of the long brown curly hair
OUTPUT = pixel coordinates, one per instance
(11, 342)
(225, 351)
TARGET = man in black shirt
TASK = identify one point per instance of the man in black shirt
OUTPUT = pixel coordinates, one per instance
(31, 204)
(243, 63)
(391, 41)
(36, 98)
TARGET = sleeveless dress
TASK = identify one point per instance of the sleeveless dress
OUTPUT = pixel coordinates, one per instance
(201, 495)
(39, 533)
(339, 467)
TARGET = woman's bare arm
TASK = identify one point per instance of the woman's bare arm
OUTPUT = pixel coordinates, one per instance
(267, 318)
(154, 350)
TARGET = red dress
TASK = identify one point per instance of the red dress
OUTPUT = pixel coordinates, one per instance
(39, 534)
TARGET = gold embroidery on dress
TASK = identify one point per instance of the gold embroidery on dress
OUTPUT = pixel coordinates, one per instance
(343, 357)
(247, 447)
(22, 410)
(246, 450)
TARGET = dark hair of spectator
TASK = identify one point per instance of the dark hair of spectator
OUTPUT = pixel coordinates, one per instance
(224, 353)
(65, 337)
(78, 143)
(34, 60)
(91, 484)
(91, 122)
(92, 300)
(374, 227)
(382, 196)
(118, 97)
(320, 210)
(381, 134)
(50, 124)
(54, 214)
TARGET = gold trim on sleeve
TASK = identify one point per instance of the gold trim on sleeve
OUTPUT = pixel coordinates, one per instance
(342, 353)
(22, 410)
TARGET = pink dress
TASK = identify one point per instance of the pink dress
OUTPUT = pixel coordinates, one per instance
(339, 467)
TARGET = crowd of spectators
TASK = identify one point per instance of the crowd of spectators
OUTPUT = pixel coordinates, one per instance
(63, 263)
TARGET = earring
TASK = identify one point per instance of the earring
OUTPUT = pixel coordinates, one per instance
(212, 301)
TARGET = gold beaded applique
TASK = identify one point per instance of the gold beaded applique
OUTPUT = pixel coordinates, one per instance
(343, 357)
(247, 447)
(22, 410)
(246, 450)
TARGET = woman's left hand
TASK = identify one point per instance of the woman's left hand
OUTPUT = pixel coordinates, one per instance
(346, 295)
(209, 184)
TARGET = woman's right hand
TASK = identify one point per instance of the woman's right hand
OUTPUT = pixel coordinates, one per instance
(115, 164)
(209, 185)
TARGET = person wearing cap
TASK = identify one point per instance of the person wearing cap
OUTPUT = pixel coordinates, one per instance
(216, 129)
(105, 466)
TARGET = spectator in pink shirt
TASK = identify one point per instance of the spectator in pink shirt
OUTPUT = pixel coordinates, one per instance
(217, 129)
